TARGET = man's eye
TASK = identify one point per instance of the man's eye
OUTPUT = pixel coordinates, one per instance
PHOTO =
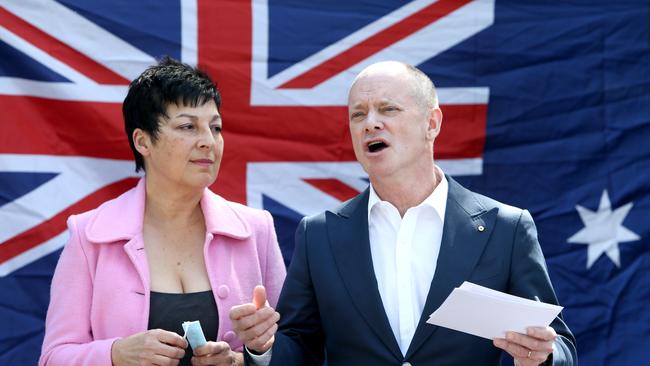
(186, 127)
(356, 115)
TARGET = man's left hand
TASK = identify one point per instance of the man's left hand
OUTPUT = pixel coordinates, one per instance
(530, 349)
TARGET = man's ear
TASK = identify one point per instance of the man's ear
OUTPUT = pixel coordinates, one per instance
(142, 142)
(435, 122)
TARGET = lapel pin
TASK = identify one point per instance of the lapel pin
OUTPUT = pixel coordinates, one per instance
(481, 228)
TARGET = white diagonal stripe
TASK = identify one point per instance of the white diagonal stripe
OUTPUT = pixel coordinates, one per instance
(189, 29)
(42, 57)
(348, 42)
(62, 90)
(415, 49)
(83, 35)
(86, 175)
(33, 254)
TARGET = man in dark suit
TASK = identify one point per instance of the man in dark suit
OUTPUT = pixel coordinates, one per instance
(365, 276)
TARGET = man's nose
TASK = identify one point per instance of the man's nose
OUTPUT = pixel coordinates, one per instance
(374, 121)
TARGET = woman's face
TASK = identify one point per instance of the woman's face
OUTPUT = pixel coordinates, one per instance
(189, 146)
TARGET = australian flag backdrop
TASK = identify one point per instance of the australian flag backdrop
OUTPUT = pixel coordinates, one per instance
(546, 106)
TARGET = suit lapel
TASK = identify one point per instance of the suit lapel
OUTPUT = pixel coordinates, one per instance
(348, 231)
(460, 249)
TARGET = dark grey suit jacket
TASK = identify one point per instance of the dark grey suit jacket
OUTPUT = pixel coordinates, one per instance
(330, 304)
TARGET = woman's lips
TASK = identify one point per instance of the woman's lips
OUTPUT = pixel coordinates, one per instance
(203, 162)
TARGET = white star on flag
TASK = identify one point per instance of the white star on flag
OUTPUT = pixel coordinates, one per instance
(603, 230)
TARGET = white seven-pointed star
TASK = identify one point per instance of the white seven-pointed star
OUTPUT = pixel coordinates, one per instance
(603, 230)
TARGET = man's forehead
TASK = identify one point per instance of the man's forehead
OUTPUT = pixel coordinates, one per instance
(386, 75)
(380, 86)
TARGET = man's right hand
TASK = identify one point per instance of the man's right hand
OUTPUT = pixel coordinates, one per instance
(255, 323)
(152, 347)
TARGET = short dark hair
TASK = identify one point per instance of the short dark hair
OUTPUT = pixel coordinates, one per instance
(150, 94)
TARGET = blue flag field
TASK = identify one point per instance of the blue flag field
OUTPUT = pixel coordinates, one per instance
(546, 107)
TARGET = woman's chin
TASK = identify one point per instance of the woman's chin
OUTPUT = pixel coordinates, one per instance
(201, 181)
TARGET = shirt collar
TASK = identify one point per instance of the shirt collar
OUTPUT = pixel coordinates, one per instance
(436, 200)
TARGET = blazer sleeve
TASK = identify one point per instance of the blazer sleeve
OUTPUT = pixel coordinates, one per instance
(299, 340)
(529, 278)
(68, 335)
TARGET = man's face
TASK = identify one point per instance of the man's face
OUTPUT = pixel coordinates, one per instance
(392, 129)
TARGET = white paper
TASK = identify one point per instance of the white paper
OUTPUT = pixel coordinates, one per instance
(487, 313)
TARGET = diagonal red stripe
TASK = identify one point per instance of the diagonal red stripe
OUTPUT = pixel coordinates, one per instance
(374, 44)
(60, 50)
(333, 187)
(52, 227)
(44, 126)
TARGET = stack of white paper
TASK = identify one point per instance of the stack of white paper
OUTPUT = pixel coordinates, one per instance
(488, 313)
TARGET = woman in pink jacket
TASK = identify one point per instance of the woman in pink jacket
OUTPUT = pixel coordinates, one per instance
(167, 251)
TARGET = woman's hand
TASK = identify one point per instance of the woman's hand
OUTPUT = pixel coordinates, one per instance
(216, 354)
(153, 347)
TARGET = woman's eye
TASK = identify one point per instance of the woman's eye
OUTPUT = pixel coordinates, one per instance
(216, 129)
(187, 127)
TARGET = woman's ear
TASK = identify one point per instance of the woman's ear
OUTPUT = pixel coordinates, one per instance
(142, 142)
(435, 122)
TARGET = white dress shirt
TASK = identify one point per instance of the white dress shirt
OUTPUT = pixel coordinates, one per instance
(404, 255)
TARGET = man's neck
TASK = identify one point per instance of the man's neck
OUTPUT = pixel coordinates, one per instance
(406, 193)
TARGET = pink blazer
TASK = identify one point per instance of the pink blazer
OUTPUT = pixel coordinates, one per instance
(100, 289)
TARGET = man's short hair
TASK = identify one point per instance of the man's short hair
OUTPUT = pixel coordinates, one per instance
(425, 90)
(424, 86)
(155, 89)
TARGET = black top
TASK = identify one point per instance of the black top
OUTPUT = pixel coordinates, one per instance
(168, 311)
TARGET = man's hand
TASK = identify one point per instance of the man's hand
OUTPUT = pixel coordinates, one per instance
(152, 347)
(216, 354)
(530, 349)
(255, 323)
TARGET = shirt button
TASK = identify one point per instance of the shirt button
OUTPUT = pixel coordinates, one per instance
(229, 336)
(223, 291)
(406, 364)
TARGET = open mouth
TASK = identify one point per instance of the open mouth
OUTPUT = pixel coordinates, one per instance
(376, 146)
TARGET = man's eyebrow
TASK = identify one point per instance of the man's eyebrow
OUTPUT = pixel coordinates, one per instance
(387, 101)
(357, 105)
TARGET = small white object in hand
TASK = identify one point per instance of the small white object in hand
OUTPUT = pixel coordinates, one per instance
(194, 334)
